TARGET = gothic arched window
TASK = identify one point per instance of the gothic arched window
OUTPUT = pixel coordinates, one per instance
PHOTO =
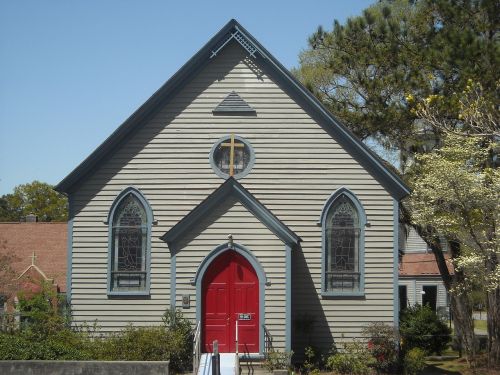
(343, 223)
(130, 228)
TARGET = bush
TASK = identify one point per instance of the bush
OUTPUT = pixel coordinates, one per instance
(45, 334)
(414, 361)
(277, 360)
(171, 341)
(353, 360)
(382, 345)
(421, 328)
(312, 362)
(65, 345)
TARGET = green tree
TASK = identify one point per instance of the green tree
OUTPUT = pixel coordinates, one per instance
(456, 191)
(36, 198)
(363, 70)
(368, 72)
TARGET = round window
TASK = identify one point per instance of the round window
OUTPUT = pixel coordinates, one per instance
(232, 156)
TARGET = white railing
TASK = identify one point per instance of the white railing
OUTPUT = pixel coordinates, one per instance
(237, 359)
(196, 348)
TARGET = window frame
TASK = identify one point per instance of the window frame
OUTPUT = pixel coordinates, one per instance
(330, 203)
(111, 245)
(222, 174)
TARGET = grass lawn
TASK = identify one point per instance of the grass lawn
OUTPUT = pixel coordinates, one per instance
(454, 367)
(448, 366)
(480, 324)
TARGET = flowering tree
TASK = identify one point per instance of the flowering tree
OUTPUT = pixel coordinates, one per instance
(457, 193)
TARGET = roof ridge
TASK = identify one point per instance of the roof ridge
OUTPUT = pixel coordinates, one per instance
(367, 158)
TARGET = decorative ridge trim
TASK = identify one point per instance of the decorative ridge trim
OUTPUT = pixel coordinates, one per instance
(337, 130)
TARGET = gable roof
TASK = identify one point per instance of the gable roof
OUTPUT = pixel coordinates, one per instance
(233, 30)
(423, 264)
(231, 188)
(47, 240)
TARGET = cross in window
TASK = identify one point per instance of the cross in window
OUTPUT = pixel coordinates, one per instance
(232, 145)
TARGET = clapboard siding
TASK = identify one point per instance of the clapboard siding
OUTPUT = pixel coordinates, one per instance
(297, 167)
(265, 246)
(415, 286)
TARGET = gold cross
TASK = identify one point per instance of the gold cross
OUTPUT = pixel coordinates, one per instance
(33, 258)
(232, 145)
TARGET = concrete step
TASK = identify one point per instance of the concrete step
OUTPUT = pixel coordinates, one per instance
(227, 364)
(253, 368)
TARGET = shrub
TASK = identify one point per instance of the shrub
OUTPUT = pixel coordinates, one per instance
(277, 360)
(180, 335)
(25, 345)
(414, 361)
(353, 360)
(312, 360)
(382, 345)
(46, 335)
(171, 341)
(421, 328)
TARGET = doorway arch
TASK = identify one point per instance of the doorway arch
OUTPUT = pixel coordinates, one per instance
(236, 256)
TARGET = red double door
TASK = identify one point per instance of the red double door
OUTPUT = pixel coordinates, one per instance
(230, 295)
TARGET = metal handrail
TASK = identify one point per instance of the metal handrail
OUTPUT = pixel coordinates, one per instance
(196, 348)
(268, 341)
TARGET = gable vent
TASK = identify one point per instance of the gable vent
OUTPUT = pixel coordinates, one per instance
(233, 103)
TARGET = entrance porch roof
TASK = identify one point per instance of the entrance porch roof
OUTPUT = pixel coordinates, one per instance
(231, 189)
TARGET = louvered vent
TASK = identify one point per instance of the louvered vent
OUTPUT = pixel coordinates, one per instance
(233, 103)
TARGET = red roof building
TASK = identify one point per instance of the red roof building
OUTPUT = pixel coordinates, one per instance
(421, 264)
(38, 251)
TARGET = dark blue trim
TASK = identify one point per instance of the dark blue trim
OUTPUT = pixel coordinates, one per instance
(230, 189)
(173, 278)
(363, 154)
(288, 299)
(243, 173)
(395, 213)
(69, 249)
(261, 274)
(109, 221)
(343, 191)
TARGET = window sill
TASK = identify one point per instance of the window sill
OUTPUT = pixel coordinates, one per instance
(129, 295)
(339, 295)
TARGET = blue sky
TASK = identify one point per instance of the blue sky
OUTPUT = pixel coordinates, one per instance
(72, 71)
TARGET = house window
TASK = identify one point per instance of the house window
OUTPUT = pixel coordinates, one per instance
(403, 297)
(343, 223)
(429, 296)
(130, 228)
(232, 156)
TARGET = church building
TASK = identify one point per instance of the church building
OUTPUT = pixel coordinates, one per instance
(235, 197)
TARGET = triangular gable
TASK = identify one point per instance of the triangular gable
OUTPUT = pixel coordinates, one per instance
(233, 30)
(231, 189)
(233, 103)
(34, 267)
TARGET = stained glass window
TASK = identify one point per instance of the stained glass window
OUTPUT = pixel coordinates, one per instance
(130, 228)
(232, 156)
(342, 246)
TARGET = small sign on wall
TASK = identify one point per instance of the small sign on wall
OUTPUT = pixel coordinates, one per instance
(186, 301)
(244, 317)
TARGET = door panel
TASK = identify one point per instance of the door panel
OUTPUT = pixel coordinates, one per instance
(230, 293)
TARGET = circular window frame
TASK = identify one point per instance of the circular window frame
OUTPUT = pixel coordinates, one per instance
(243, 173)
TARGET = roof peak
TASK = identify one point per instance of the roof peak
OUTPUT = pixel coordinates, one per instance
(309, 103)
